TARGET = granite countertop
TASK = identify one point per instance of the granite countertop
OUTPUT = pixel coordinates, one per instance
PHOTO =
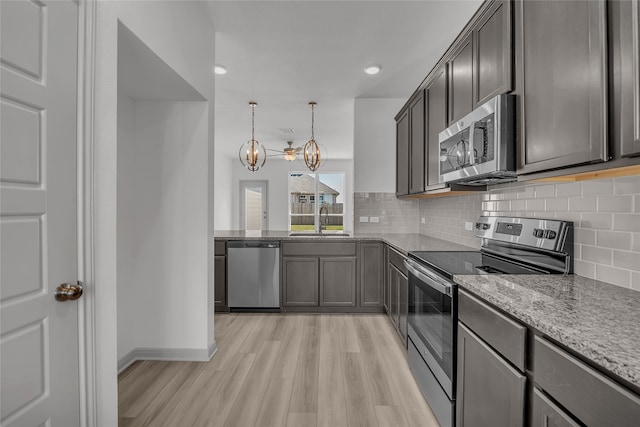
(403, 242)
(597, 320)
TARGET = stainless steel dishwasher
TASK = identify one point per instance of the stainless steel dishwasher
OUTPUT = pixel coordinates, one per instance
(253, 275)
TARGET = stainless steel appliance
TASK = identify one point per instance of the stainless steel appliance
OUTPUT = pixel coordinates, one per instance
(479, 149)
(509, 246)
(253, 278)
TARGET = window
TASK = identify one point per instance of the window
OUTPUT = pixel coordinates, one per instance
(307, 215)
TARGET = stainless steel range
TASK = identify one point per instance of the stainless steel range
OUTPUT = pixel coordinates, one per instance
(509, 246)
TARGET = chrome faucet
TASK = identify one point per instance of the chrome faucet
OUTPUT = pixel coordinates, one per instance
(326, 216)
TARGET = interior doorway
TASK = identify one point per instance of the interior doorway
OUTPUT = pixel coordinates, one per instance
(253, 205)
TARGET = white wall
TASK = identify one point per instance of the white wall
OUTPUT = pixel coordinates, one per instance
(375, 144)
(162, 248)
(223, 192)
(180, 33)
(276, 172)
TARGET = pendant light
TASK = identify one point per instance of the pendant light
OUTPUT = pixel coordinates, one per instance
(252, 154)
(311, 149)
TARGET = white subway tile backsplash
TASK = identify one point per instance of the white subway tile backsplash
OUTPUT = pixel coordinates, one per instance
(595, 254)
(584, 236)
(635, 281)
(545, 191)
(518, 205)
(629, 260)
(613, 239)
(600, 221)
(605, 215)
(615, 204)
(627, 185)
(626, 222)
(535, 205)
(613, 275)
(585, 269)
(597, 187)
(557, 204)
(583, 204)
(569, 189)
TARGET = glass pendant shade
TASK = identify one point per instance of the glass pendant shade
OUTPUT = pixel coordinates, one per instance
(311, 149)
(252, 154)
(290, 154)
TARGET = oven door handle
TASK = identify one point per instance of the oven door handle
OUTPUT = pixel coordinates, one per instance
(428, 278)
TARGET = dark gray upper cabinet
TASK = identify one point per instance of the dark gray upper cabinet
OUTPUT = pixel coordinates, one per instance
(624, 55)
(416, 144)
(402, 153)
(338, 281)
(371, 274)
(561, 58)
(490, 391)
(300, 277)
(460, 65)
(492, 53)
(436, 122)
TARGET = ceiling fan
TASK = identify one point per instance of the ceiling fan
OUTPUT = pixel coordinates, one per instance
(289, 152)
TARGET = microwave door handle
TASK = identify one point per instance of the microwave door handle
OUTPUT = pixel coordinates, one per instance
(472, 131)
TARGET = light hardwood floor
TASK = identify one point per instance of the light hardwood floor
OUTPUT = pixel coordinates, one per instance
(282, 370)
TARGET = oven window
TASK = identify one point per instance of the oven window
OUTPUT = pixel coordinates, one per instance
(431, 317)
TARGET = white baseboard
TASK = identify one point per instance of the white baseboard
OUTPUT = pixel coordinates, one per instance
(167, 354)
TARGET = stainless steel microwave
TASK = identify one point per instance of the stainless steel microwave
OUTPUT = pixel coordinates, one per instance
(479, 149)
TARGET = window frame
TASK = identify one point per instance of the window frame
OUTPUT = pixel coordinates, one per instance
(316, 195)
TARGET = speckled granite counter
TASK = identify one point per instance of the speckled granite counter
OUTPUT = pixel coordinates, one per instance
(597, 320)
(403, 242)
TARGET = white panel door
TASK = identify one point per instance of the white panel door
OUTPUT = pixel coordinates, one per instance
(38, 224)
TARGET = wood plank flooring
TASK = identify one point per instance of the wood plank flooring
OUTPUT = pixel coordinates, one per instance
(293, 370)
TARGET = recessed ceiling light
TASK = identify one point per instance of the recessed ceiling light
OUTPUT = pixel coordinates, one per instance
(372, 69)
(219, 69)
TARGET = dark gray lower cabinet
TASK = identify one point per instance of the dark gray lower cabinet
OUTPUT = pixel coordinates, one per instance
(220, 276)
(398, 300)
(546, 414)
(337, 281)
(300, 281)
(220, 283)
(371, 274)
(489, 391)
(582, 391)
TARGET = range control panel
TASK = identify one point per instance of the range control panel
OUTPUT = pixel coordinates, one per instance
(547, 234)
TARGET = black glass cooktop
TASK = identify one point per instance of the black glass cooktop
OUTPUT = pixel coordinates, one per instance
(455, 263)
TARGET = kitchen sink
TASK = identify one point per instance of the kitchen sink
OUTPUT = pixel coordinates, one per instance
(314, 234)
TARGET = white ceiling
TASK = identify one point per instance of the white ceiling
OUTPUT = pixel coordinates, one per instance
(283, 54)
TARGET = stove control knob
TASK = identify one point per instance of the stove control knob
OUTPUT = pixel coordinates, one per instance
(538, 233)
(549, 234)
(482, 226)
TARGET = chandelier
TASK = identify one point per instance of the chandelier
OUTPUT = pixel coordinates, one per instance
(252, 154)
(311, 149)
